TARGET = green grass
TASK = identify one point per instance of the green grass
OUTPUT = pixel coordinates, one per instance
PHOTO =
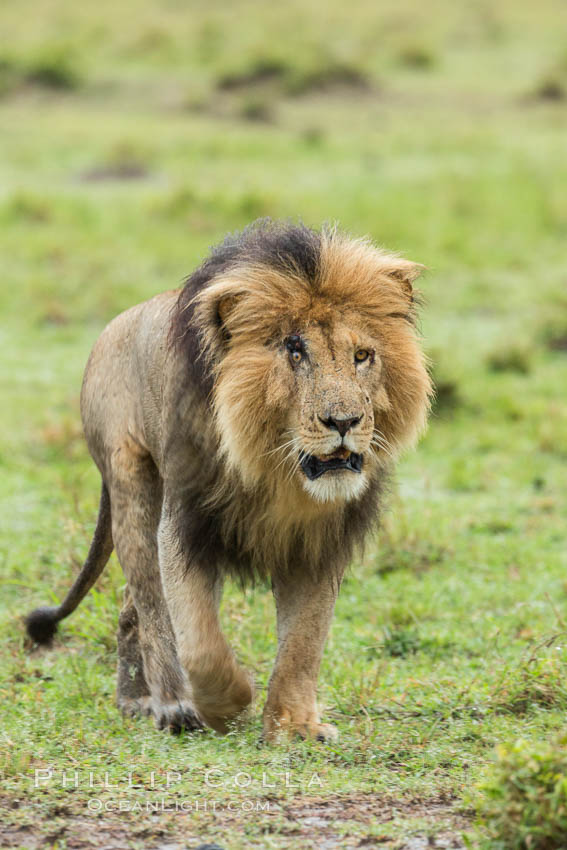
(523, 804)
(124, 156)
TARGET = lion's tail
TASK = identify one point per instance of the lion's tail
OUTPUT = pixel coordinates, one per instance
(41, 624)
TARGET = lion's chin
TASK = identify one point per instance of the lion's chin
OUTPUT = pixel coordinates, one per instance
(338, 486)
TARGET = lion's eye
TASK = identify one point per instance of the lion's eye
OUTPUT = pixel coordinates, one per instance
(361, 355)
(294, 345)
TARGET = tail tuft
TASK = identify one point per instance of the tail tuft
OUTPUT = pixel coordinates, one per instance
(41, 624)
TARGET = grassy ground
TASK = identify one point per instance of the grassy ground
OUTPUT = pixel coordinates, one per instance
(133, 137)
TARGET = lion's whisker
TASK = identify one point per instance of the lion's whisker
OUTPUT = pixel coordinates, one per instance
(279, 448)
(380, 436)
(295, 465)
(283, 461)
(382, 444)
(290, 453)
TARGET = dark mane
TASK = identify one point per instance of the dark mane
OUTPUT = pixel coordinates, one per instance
(275, 244)
(208, 540)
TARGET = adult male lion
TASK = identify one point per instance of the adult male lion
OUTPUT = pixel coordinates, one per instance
(245, 424)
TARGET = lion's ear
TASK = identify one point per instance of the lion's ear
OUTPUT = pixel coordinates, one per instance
(406, 272)
(225, 307)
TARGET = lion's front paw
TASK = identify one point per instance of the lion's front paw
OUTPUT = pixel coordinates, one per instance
(221, 709)
(283, 726)
(324, 732)
(176, 717)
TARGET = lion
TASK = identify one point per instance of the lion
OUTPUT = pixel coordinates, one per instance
(246, 425)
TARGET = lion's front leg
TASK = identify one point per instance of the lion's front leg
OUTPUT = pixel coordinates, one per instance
(304, 609)
(221, 689)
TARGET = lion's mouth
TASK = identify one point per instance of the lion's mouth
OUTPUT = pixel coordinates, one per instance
(314, 466)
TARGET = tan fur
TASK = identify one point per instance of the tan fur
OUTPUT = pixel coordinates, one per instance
(204, 483)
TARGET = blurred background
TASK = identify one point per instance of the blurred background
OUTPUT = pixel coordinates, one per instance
(133, 135)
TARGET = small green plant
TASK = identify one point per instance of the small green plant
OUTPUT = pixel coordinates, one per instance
(419, 57)
(523, 805)
(260, 71)
(26, 207)
(256, 109)
(327, 77)
(401, 642)
(413, 553)
(313, 136)
(537, 684)
(447, 397)
(553, 328)
(511, 358)
(124, 161)
(53, 68)
(550, 88)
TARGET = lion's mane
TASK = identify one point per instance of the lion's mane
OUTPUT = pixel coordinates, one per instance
(278, 276)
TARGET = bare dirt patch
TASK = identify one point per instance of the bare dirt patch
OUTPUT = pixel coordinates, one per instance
(338, 821)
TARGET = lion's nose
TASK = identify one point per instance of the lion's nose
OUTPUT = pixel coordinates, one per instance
(337, 423)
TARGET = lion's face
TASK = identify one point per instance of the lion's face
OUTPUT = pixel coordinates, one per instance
(330, 420)
(316, 386)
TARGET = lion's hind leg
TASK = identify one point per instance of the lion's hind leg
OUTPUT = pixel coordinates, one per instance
(145, 631)
(132, 691)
